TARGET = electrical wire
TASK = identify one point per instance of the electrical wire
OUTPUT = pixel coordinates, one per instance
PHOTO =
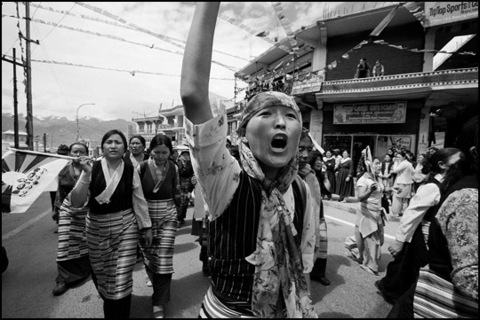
(58, 22)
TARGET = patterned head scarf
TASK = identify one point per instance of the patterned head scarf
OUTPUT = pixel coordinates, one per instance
(264, 100)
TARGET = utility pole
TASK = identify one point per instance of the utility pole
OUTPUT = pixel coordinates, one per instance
(15, 100)
(29, 125)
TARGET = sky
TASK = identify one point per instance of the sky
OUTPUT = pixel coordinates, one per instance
(122, 60)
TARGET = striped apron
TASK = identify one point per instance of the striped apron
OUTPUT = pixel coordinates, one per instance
(212, 307)
(112, 244)
(158, 256)
(72, 239)
(436, 297)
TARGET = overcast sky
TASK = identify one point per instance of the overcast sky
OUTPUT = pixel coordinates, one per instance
(93, 57)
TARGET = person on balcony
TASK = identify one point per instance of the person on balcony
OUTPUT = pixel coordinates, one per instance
(363, 69)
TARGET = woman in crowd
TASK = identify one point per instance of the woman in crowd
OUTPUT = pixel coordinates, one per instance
(344, 184)
(417, 176)
(453, 243)
(320, 265)
(409, 248)
(137, 152)
(73, 264)
(160, 184)
(117, 213)
(387, 178)
(314, 182)
(135, 156)
(329, 161)
(255, 203)
(185, 172)
(369, 233)
(447, 287)
(62, 150)
(402, 188)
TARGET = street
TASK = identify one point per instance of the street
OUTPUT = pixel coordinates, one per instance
(31, 247)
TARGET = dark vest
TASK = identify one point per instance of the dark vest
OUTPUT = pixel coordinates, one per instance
(166, 190)
(121, 198)
(432, 211)
(233, 236)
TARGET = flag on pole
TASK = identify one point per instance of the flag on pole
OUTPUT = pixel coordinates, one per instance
(25, 175)
(369, 160)
(315, 144)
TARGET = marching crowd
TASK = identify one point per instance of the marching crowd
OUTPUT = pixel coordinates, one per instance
(265, 233)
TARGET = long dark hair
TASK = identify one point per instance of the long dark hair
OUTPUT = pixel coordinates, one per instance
(161, 139)
(139, 137)
(111, 133)
(430, 161)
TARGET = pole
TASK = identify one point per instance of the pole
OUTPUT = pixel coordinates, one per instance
(44, 142)
(78, 130)
(15, 101)
(29, 124)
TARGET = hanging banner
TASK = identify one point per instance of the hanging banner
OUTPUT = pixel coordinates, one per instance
(360, 113)
(313, 84)
(438, 13)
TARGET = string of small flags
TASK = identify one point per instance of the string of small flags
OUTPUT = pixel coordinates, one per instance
(138, 28)
(240, 25)
(132, 72)
(128, 27)
(123, 40)
(277, 6)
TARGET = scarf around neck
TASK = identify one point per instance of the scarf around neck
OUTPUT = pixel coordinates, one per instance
(158, 180)
(134, 160)
(278, 263)
(111, 181)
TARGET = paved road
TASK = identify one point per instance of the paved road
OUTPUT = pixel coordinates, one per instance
(31, 245)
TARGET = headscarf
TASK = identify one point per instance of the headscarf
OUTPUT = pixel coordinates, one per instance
(264, 100)
(277, 264)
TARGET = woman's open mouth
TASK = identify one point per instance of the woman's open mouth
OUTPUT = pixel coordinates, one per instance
(279, 142)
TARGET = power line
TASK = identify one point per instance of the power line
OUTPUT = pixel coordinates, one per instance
(58, 21)
(128, 27)
(132, 72)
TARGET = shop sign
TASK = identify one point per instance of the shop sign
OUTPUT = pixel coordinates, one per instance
(359, 113)
(312, 84)
(438, 13)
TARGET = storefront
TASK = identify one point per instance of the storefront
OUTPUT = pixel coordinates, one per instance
(380, 125)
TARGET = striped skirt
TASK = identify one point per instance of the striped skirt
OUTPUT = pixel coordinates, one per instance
(72, 239)
(212, 307)
(112, 245)
(436, 297)
(158, 257)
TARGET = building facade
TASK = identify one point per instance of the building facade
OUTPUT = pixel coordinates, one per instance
(171, 122)
(407, 104)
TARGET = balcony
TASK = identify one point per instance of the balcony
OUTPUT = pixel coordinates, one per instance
(457, 85)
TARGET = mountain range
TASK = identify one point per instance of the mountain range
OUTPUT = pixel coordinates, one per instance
(63, 131)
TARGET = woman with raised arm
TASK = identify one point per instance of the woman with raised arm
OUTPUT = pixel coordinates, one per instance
(261, 224)
(117, 213)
